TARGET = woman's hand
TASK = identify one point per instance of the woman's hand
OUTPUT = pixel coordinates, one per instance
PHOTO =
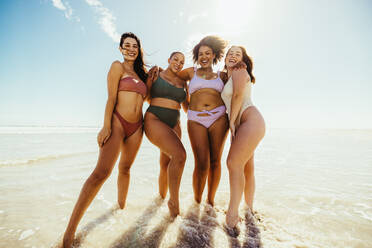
(239, 65)
(103, 136)
(153, 73)
(232, 130)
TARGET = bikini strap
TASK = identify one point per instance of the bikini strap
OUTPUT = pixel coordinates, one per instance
(195, 69)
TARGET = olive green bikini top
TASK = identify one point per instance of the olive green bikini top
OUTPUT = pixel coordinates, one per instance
(162, 89)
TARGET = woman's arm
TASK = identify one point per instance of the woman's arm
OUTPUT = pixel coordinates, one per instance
(185, 104)
(186, 74)
(151, 78)
(240, 78)
(113, 78)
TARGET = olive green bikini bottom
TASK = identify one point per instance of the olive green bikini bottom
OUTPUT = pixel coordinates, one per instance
(166, 115)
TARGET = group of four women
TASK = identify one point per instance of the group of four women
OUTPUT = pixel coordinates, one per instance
(207, 98)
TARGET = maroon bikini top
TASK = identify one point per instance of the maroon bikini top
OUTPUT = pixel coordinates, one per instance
(132, 84)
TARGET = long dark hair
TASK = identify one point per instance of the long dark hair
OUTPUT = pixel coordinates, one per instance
(247, 60)
(139, 65)
(217, 45)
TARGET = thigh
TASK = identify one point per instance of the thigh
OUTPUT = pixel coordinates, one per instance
(131, 146)
(247, 137)
(161, 135)
(164, 159)
(109, 152)
(199, 140)
(217, 137)
(178, 131)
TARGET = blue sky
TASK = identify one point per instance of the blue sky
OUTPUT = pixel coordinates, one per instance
(313, 59)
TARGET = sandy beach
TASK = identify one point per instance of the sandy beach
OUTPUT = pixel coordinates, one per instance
(314, 189)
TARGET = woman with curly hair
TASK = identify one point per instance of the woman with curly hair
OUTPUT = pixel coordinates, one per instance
(122, 129)
(247, 128)
(207, 120)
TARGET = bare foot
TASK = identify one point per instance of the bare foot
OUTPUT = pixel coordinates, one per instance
(174, 209)
(232, 231)
(163, 193)
(158, 200)
(121, 204)
(67, 240)
(231, 220)
(210, 202)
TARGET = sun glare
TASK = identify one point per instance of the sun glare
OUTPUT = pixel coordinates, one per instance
(236, 14)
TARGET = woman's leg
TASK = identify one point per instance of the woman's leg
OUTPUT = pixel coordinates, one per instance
(249, 186)
(163, 175)
(128, 153)
(161, 135)
(248, 136)
(108, 155)
(164, 162)
(199, 140)
(217, 137)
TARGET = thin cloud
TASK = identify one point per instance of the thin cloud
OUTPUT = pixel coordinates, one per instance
(58, 4)
(106, 19)
(66, 8)
(192, 18)
(93, 2)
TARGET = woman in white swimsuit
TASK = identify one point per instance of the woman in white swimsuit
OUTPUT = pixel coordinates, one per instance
(247, 129)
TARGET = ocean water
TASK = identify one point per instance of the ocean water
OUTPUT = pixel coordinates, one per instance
(313, 189)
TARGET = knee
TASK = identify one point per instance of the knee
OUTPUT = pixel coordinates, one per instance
(249, 169)
(215, 164)
(164, 166)
(124, 168)
(201, 165)
(164, 163)
(99, 176)
(233, 166)
(180, 157)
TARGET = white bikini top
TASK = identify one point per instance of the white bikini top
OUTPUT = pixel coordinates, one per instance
(227, 93)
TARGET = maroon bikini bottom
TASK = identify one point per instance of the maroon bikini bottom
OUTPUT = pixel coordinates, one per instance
(129, 127)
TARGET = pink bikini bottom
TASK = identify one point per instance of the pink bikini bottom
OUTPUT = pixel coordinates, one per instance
(206, 120)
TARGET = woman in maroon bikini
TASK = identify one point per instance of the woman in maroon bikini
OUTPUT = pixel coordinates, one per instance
(122, 129)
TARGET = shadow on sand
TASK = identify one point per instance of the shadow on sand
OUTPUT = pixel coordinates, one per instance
(252, 238)
(135, 235)
(80, 236)
(196, 230)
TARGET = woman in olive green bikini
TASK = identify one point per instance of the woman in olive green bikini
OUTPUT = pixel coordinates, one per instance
(162, 127)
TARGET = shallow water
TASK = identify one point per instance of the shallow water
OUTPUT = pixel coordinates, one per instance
(313, 189)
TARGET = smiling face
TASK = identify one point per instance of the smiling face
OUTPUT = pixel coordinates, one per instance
(205, 56)
(176, 62)
(233, 56)
(129, 49)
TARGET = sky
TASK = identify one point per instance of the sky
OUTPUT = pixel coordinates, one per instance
(312, 59)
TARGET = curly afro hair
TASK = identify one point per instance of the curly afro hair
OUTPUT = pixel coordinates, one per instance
(217, 45)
